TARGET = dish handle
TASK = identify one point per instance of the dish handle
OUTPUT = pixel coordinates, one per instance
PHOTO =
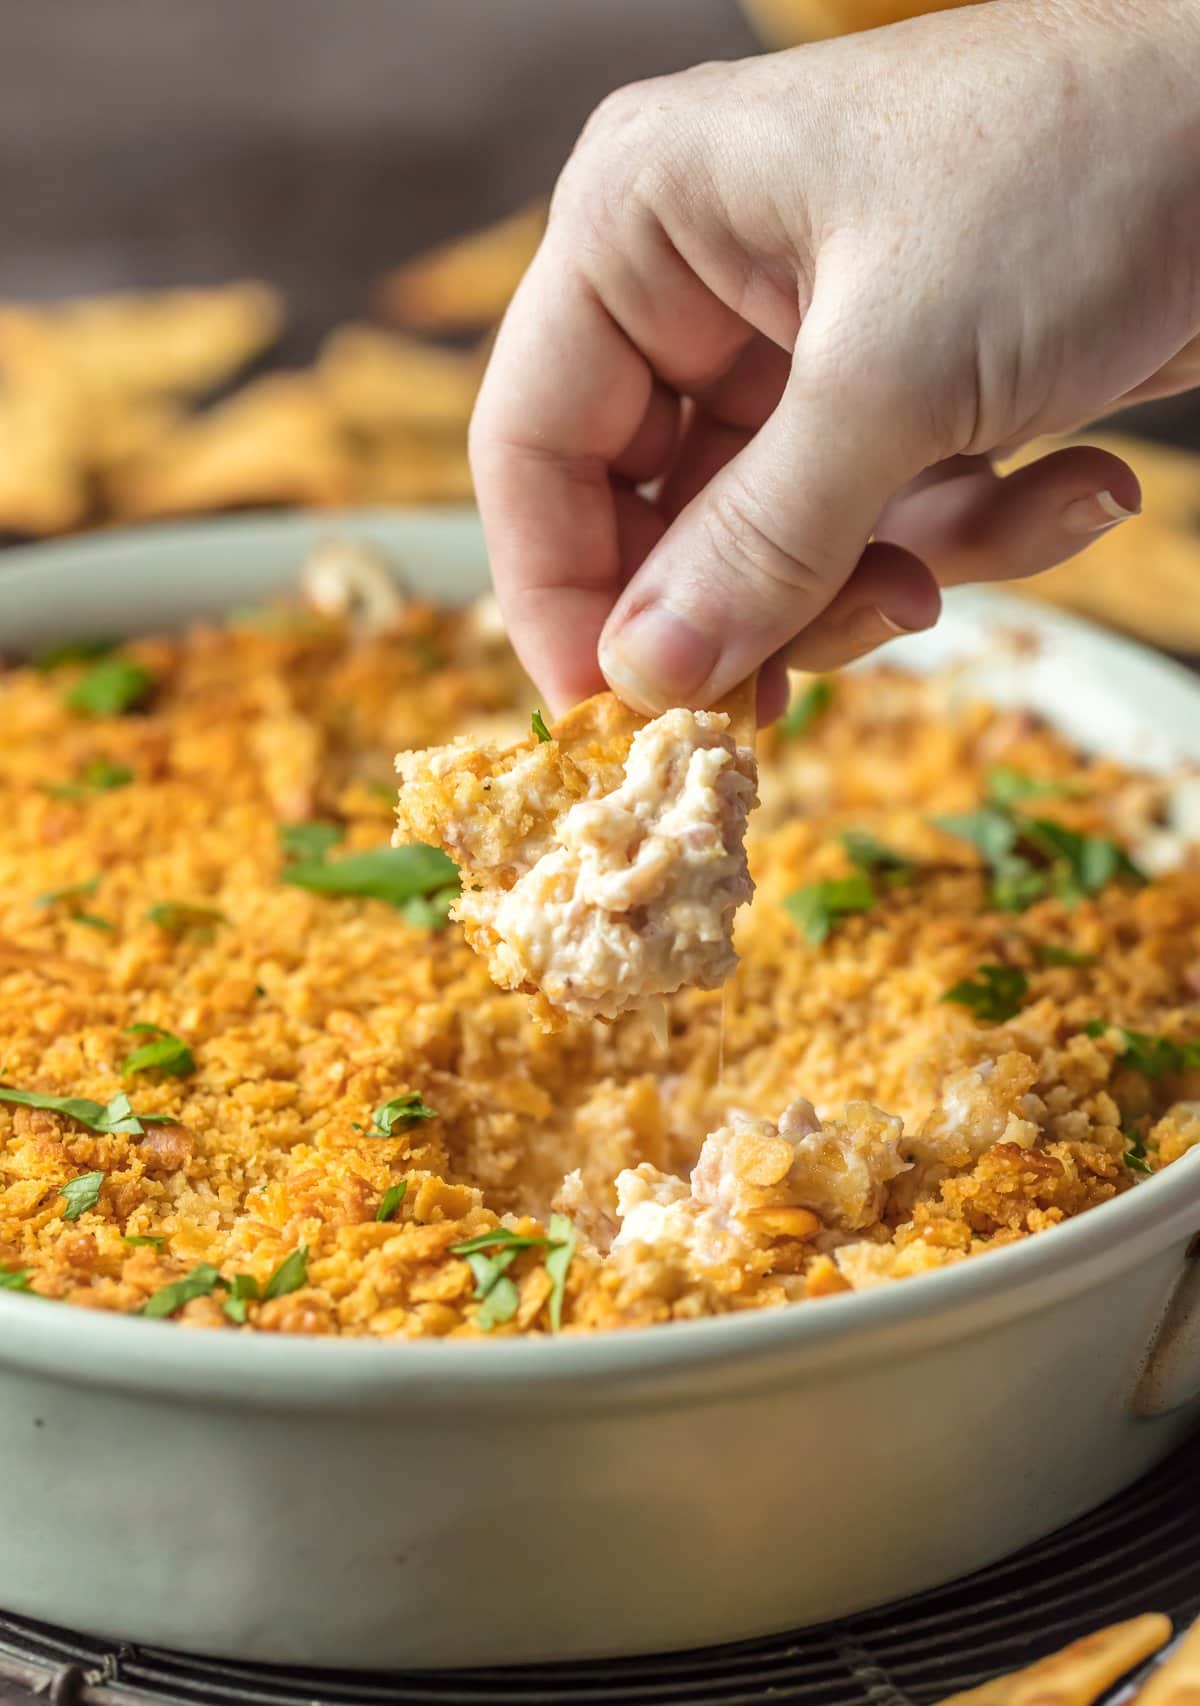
(1170, 1376)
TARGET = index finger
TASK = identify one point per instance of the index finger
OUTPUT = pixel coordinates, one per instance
(564, 395)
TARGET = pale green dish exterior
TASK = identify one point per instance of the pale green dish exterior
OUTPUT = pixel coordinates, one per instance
(386, 1505)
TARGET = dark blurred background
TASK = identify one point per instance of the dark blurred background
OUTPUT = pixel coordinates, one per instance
(313, 143)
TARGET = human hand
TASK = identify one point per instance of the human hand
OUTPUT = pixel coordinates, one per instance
(801, 299)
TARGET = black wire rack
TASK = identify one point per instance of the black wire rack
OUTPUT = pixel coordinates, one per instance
(1140, 1552)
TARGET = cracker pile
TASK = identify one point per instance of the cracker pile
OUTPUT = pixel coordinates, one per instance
(1082, 1674)
(127, 407)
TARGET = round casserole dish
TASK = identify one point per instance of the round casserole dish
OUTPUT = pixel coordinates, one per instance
(379, 1505)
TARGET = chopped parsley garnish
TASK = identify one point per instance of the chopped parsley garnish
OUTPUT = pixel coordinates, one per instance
(112, 685)
(537, 723)
(399, 1114)
(74, 891)
(1031, 858)
(1135, 1156)
(498, 1293)
(72, 895)
(871, 855)
(81, 1194)
(805, 708)
(393, 874)
(558, 1262)
(243, 1289)
(116, 1115)
(995, 994)
(201, 1282)
(1008, 787)
(391, 1200)
(309, 841)
(97, 777)
(15, 1279)
(143, 1240)
(92, 920)
(499, 1238)
(992, 831)
(71, 651)
(1151, 1056)
(430, 912)
(165, 1052)
(180, 916)
(1050, 954)
(817, 908)
(290, 1275)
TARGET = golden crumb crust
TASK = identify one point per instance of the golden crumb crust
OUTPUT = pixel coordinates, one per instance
(143, 881)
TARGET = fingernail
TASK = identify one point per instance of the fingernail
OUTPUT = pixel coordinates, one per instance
(894, 627)
(1094, 513)
(871, 626)
(657, 659)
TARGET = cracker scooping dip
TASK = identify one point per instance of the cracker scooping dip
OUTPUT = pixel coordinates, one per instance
(603, 860)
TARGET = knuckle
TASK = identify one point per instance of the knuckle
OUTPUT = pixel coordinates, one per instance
(632, 146)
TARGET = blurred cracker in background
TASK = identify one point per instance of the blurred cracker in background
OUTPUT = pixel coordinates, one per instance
(786, 23)
(466, 284)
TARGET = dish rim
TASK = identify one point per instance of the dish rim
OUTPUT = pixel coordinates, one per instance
(255, 1369)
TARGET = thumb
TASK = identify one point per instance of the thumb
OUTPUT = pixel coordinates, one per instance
(761, 551)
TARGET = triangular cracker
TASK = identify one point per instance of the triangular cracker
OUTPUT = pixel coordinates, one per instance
(603, 909)
(1080, 1673)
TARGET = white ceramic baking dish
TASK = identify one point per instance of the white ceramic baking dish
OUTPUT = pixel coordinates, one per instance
(382, 1504)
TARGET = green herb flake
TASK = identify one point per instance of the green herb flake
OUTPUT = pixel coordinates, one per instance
(113, 1116)
(806, 707)
(992, 832)
(558, 1261)
(869, 854)
(390, 1201)
(392, 874)
(289, 1276)
(537, 724)
(500, 1304)
(1152, 1056)
(71, 896)
(201, 1282)
(243, 1289)
(96, 777)
(143, 1240)
(1008, 787)
(73, 891)
(179, 917)
(1080, 864)
(1031, 858)
(81, 1194)
(499, 1238)
(165, 1052)
(15, 1279)
(1135, 1157)
(71, 651)
(1016, 884)
(430, 912)
(817, 908)
(111, 686)
(994, 995)
(399, 1114)
(309, 841)
(1050, 954)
